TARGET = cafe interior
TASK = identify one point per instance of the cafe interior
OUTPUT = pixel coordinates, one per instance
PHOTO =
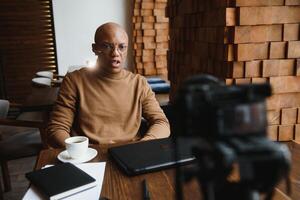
(225, 74)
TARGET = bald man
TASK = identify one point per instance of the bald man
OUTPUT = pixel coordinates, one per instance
(107, 103)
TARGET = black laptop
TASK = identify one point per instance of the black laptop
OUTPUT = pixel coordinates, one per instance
(152, 155)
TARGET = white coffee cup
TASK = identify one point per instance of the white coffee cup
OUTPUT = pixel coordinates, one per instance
(77, 146)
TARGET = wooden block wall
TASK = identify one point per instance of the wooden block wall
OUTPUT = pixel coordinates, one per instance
(241, 41)
(150, 36)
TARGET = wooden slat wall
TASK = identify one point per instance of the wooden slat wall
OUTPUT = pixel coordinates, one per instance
(27, 43)
(241, 42)
(150, 37)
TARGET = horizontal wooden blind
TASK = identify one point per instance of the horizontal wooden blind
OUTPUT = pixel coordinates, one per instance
(27, 44)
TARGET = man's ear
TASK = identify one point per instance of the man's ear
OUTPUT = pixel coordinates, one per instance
(94, 49)
(97, 53)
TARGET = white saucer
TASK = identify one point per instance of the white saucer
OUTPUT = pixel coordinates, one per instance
(64, 157)
(47, 74)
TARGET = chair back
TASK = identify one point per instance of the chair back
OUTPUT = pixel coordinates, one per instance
(4, 106)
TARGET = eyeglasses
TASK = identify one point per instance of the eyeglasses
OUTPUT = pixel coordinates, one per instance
(109, 47)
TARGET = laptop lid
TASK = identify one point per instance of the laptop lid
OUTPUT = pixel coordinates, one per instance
(151, 155)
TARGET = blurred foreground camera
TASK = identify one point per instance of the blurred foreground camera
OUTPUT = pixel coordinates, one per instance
(227, 125)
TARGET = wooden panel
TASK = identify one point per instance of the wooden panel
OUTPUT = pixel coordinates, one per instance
(27, 44)
(241, 42)
(269, 15)
(150, 37)
(286, 133)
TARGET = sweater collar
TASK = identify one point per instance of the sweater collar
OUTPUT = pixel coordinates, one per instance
(105, 74)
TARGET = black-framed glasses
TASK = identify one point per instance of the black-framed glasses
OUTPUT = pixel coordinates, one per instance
(109, 47)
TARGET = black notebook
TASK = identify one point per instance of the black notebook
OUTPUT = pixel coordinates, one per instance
(60, 180)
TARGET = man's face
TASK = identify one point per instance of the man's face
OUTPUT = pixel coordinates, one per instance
(111, 49)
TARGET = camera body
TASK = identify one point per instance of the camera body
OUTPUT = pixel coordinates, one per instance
(222, 111)
(230, 124)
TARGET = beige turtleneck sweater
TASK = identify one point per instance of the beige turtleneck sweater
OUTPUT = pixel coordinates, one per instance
(107, 108)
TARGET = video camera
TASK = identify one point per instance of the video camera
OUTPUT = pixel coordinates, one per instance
(229, 124)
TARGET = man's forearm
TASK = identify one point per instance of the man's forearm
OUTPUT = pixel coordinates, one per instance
(159, 129)
(57, 139)
(58, 130)
(62, 116)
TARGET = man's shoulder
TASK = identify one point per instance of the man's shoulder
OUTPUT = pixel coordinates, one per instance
(77, 74)
(136, 77)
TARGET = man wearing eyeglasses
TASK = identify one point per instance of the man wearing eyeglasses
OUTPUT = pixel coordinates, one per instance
(108, 102)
